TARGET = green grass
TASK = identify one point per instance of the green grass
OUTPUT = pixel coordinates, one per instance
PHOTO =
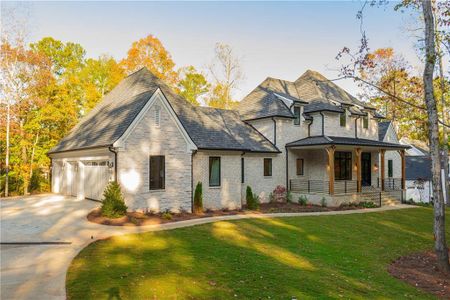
(307, 257)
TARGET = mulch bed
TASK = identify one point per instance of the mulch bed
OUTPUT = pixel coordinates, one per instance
(420, 270)
(141, 219)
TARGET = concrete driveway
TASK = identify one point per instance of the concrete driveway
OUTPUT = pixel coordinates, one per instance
(37, 271)
(41, 235)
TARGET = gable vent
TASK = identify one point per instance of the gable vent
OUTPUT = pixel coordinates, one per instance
(157, 116)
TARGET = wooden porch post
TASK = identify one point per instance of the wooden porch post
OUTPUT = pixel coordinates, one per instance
(330, 151)
(358, 169)
(402, 155)
(382, 152)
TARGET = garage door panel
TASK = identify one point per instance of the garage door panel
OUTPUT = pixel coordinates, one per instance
(96, 178)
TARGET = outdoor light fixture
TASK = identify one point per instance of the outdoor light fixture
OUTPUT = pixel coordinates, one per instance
(375, 167)
(110, 164)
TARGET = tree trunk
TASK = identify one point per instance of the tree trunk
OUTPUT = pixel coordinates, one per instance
(433, 135)
(8, 122)
(33, 150)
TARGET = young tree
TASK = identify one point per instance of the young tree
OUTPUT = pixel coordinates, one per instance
(227, 74)
(192, 84)
(149, 52)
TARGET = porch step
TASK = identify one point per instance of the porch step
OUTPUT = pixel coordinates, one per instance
(391, 198)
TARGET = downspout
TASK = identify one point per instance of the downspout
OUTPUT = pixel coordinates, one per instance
(113, 150)
(287, 168)
(323, 123)
(309, 126)
(242, 177)
(356, 127)
(192, 180)
(274, 131)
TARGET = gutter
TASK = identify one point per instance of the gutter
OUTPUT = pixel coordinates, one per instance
(192, 180)
(113, 150)
(287, 167)
(323, 123)
(274, 131)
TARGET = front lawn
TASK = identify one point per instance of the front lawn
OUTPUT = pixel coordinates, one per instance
(343, 256)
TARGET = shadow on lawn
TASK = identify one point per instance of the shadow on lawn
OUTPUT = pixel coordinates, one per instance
(340, 256)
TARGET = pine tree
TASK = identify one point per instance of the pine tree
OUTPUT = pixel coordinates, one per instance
(198, 198)
(113, 204)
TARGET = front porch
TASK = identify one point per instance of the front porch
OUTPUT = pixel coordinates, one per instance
(348, 170)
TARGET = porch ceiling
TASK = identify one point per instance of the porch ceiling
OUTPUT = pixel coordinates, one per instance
(321, 141)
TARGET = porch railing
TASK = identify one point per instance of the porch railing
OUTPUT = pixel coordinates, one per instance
(390, 184)
(322, 186)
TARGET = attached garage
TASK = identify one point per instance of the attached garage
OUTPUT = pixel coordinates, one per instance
(82, 174)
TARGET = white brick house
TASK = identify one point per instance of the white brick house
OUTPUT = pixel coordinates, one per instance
(158, 146)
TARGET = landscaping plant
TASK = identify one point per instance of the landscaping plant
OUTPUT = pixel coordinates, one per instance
(198, 198)
(323, 202)
(279, 194)
(113, 203)
(252, 200)
(302, 200)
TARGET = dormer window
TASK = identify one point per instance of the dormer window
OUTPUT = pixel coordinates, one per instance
(297, 112)
(366, 122)
(343, 119)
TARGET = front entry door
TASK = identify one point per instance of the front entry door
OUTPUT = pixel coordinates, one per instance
(366, 174)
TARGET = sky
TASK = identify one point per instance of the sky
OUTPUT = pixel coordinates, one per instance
(276, 39)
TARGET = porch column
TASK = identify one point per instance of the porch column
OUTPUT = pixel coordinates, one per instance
(358, 169)
(402, 156)
(330, 151)
(382, 152)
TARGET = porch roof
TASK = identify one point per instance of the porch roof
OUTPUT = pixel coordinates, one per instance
(346, 141)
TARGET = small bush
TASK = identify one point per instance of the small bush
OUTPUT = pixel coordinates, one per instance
(113, 203)
(198, 198)
(167, 215)
(252, 200)
(271, 198)
(279, 194)
(302, 200)
(367, 204)
(288, 197)
(323, 202)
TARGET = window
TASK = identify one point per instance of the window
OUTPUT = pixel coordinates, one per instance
(366, 122)
(267, 167)
(299, 166)
(157, 172)
(390, 168)
(157, 116)
(242, 170)
(343, 119)
(214, 171)
(297, 115)
(343, 165)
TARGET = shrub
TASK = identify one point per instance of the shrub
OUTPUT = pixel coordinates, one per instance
(252, 200)
(113, 203)
(271, 198)
(198, 198)
(289, 197)
(279, 194)
(302, 200)
(367, 204)
(323, 202)
(167, 215)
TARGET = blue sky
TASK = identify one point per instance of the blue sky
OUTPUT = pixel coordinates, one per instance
(277, 39)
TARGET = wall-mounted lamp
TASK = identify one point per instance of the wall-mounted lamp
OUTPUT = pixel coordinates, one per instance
(110, 164)
(375, 167)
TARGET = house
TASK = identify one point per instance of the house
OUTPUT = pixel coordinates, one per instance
(308, 135)
(418, 178)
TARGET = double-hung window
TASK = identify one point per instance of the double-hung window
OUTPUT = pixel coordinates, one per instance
(214, 171)
(366, 122)
(390, 168)
(343, 165)
(297, 111)
(157, 172)
(267, 167)
(343, 119)
(300, 166)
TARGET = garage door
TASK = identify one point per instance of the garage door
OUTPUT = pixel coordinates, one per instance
(96, 178)
(70, 179)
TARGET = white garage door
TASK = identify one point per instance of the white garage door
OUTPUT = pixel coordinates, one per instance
(70, 179)
(96, 178)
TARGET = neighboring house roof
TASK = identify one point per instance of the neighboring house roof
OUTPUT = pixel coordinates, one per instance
(208, 128)
(337, 140)
(418, 167)
(382, 129)
(311, 87)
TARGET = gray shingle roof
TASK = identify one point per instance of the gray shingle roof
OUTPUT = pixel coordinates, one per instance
(418, 167)
(337, 140)
(311, 87)
(316, 106)
(208, 128)
(382, 129)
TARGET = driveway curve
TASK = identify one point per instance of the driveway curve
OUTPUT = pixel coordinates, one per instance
(41, 234)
